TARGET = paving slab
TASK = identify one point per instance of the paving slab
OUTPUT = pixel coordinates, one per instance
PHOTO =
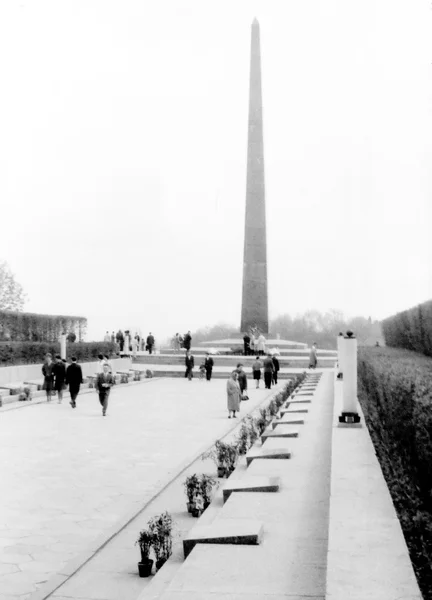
(250, 484)
(224, 531)
(293, 410)
(294, 401)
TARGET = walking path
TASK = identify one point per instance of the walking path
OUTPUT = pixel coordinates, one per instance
(70, 479)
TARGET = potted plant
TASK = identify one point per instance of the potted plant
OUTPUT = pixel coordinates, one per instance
(272, 408)
(243, 439)
(161, 528)
(145, 542)
(192, 485)
(253, 433)
(207, 484)
(198, 505)
(224, 456)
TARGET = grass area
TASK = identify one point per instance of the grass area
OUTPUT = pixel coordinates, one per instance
(395, 393)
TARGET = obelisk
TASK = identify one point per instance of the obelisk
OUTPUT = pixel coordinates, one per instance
(255, 298)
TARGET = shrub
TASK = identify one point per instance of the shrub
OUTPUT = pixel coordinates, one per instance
(27, 353)
(32, 327)
(395, 391)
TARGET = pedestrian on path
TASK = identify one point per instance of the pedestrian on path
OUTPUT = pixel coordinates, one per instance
(208, 363)
(276, 369)
(190, 363)
(261, 344)
(256, 370)
(150, 342)
(47, 370)
(268, 371)
(242, 379)
(313, 357)
(74, 379)
(187, 341)
(59, 371)
(103, 385)
(246, 344)
(233, 395)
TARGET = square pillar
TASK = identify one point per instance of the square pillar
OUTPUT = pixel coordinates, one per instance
(348, 353)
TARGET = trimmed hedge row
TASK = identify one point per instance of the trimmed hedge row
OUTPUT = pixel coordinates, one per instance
(32, 327)
(395, 391)
(410, 329)
(28, 353)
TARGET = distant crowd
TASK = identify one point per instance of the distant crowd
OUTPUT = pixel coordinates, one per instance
(135, 343)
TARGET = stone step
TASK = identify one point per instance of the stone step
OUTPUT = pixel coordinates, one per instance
(221, 360)
(250, 484)
(299, 400)
(289, 421)
(246, 532)
(293, 410)
(266, 453)
(285, 431)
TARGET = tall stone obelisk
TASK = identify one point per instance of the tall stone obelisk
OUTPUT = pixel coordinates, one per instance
(255, 297)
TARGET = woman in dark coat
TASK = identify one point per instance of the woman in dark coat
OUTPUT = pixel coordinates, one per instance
(241, 378)
(47, 370)
(59, 371)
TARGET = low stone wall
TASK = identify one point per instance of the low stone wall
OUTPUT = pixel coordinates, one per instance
(21, 373)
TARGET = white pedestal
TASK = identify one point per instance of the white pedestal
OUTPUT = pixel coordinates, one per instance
(63, 346)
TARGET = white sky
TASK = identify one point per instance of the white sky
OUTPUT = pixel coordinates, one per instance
(123, 156)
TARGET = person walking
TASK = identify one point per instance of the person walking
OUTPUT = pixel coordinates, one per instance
(150, 342)
(187, 341)
(261, 344)
(313, 357)
(120, 339)
(268, 371)
(190, 363)
(256, 370)
(59, 372)
(276, 368)
(233, 395)
(246, 344)
(242, 379)
(47, 371)
(74, 379)
(177, 343)
(113, 337)
(208, 364)
(104, 382)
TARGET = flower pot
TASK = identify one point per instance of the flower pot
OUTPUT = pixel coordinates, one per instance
(145, 568)
(160, 563)
(221, 471)
(206, 504)
(190, 507)
(196, 512)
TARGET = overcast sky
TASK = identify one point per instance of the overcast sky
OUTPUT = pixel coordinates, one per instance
(123, 135)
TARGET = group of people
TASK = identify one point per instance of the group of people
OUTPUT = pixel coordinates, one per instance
(180, 341)
(254, 343)
(135, 343)
(58, 376)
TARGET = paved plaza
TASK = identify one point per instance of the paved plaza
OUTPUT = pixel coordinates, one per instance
(68, 476)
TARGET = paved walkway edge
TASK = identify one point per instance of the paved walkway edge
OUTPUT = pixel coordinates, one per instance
(367, 553)
(73, 566)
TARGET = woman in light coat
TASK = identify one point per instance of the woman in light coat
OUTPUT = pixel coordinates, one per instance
(261, 344)
(233, 395)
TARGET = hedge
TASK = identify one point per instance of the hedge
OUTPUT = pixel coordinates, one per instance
(27, 353)
(410, 329)
(32, 327)
(395, 391)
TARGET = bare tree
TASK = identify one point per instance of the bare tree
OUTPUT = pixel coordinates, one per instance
(12, 296)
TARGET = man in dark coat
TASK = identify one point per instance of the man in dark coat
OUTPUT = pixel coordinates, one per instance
(74, 378)
(59, 372)
(120, 339)
(246, 343)
(104, 382)
(276, 369)
(150, 342)
(268, 371)
(190, 363)
(208, 365)
(187, 340)
(241, 378)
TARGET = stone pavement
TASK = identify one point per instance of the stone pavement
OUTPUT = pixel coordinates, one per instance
(69, 478)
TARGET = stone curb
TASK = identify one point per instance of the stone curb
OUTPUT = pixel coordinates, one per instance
(74, 565)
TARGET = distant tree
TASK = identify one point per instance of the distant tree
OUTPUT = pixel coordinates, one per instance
(12, 296)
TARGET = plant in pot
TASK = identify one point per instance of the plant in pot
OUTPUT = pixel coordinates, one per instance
(192, 485)
(253, 432)
(243, 439)
(161, 528)
(272, 408)
(198, 504)
(145, 542)
(223, 455)
(207, 483)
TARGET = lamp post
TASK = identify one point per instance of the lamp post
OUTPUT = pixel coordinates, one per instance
(348, 366)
